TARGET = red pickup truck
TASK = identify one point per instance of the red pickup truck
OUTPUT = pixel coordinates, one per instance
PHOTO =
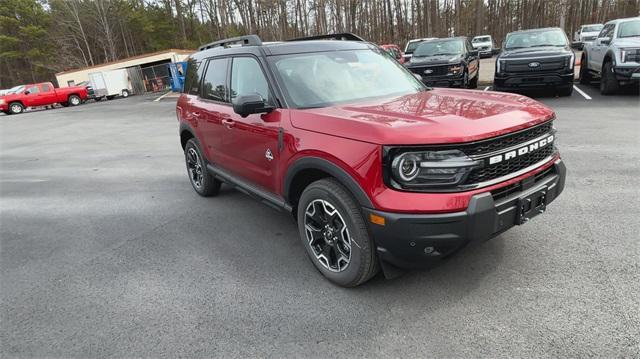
(41, 94)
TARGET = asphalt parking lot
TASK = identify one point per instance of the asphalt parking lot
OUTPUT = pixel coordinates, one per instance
(106, 251)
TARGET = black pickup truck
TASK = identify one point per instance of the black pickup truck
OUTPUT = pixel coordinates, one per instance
(538, 58)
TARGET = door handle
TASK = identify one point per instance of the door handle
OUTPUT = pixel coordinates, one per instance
(228, 123)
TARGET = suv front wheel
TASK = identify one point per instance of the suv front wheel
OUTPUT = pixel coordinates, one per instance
(201, 180)
(334, 234)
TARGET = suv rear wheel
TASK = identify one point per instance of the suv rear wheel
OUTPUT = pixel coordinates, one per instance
(608, 83)
(334, 234)
(202, 181)
(585, 75)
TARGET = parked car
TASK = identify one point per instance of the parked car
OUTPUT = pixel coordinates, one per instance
(586, 34)
(537, 58)
(484, 44)
(614, 56)
(411, 47)
(446, 62)
(378, 170)
(393, 51)
(42, 94)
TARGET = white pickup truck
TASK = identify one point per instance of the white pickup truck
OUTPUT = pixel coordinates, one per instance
(586, 34)
(614, 56)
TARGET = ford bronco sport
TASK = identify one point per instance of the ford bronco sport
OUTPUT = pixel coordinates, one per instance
(377, 169)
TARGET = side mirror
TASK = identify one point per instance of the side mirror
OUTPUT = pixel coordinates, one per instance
(605, 41)
(475, 53)
(26, 92)
(246, 105)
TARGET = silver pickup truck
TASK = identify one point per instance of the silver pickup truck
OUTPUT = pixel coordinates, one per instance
(614, 56)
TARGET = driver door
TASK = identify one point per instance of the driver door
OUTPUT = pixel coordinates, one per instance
(250, 144)
(600, 48)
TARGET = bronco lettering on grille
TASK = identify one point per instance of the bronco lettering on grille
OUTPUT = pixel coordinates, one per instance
(521, 151)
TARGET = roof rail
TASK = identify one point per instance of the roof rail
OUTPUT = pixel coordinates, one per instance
(344, 36)
(247, 40)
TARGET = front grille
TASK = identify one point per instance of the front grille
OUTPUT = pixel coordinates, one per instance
(437, 70)
(510, 140)
(507, 167)
(544, 64)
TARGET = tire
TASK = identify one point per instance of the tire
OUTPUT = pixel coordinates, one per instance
(16, 108)
(74, 100)
(465, 81)
(125, 93)
(585, 75)
(327, 203)
(608, 83)
(565, 91)
(201, 180)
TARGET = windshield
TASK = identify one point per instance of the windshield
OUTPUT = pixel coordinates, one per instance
(441, 47)
(629, 29)
(592, 28)
(481, 39)
(520, 40)
(411, 46)
(322, 79)
(15, 89)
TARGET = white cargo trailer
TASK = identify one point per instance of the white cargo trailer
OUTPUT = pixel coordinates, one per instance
(110, 84)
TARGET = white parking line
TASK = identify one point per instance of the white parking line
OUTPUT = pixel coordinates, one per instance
(581, 92)
(486, 88)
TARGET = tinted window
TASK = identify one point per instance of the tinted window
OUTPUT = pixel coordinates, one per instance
(440, 47)
(192, 79)
(33, 89)
(247, 78)
(214, 84)
(46, 88)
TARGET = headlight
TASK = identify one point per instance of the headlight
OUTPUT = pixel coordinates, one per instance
(428, 169)
(623, 55)
(1, 101)
(499, 66)
(455, 69)
(572, 61)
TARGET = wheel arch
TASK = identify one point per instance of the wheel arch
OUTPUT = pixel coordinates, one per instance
(186, 133)
(307, 170)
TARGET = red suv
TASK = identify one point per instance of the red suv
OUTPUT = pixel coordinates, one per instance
(378, 170)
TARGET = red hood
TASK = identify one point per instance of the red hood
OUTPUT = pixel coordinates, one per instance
(430, 117)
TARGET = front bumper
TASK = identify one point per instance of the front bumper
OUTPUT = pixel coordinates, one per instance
(529, 81)
(627, 73)
(421, 240)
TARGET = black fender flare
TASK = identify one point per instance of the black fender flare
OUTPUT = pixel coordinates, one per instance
(334, 170)
(185, 128)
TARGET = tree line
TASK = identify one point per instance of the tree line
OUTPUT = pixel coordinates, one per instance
(41, 37)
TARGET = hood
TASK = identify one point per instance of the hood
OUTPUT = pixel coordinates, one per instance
(434, 60)
(431, 117)
(628, 42)
(535, 51)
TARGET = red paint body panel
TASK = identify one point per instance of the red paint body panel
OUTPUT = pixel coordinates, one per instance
(352, 136)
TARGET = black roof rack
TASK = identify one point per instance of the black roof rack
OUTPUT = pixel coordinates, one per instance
(345, 36)
(248, 40)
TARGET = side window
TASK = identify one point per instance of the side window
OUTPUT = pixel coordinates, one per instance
(247, 78)
(192, 78)
(33, 89)
(46, 88)
(606, 31)
(214, 84)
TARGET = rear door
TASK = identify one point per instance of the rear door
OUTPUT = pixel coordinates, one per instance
(214, 109)
(47, 95)
(250, 144)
